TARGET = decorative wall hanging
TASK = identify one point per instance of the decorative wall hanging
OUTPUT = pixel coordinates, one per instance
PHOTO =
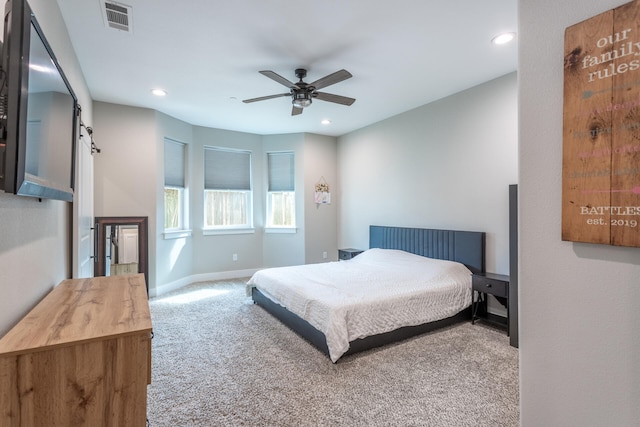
(322, 194)
(601, 129)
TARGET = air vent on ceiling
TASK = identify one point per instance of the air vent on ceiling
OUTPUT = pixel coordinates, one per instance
(117, 15)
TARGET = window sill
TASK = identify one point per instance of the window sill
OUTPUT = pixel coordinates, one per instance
(176, 234)
(219, 231)
(280, 230)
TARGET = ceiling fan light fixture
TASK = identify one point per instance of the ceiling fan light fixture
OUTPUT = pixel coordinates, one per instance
(301, 99)
(301, 103)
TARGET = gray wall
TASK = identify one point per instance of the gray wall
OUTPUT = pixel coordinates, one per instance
(125, 171)
(214, 253)
(445, 165)
(35, 236)
(579, 315)
(321, 220)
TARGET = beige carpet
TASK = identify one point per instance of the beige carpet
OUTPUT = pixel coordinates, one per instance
(219, 360)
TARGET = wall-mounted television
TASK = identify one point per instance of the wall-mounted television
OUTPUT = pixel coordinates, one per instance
(39, 118)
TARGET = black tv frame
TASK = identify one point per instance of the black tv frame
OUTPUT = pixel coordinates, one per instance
(19, 20)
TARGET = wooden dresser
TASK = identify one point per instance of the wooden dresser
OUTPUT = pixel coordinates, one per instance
(81, 357)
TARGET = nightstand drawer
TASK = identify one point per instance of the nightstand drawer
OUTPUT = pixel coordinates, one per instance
(490, 285)
(345, 254)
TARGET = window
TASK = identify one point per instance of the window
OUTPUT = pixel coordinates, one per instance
(227, 189)
(174, 187)
(281, 196)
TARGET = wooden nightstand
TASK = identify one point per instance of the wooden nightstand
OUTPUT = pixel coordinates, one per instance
(484, 284)
(345, 254)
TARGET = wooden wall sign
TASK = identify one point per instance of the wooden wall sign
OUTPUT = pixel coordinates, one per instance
(601, 135)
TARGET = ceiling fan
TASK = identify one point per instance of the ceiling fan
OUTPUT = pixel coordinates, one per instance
(302, 93)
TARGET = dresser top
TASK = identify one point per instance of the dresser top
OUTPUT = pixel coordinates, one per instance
(80, 310)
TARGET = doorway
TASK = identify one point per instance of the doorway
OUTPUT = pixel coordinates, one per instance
(121, 246)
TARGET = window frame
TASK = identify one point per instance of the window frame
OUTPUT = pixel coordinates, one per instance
(183, 191)
(289, 188)
(248, 196)
(181, 203)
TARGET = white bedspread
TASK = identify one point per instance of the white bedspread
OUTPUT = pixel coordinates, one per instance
(378, 291)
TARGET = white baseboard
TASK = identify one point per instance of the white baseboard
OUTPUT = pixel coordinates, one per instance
(194, 278)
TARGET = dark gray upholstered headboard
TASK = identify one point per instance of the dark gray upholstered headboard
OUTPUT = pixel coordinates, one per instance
(466, 247)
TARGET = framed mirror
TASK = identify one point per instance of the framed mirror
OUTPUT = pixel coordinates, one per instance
(121, 246)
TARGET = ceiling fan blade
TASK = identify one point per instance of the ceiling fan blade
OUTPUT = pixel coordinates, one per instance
(323, 96)
(262, 98)
(331, 79)
(278, 78)
(296, 110)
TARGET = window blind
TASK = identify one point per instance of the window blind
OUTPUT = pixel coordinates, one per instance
(281, 171)
(174, 163)
(227, 169)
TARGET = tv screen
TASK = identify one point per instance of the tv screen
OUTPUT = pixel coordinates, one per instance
(41, 111)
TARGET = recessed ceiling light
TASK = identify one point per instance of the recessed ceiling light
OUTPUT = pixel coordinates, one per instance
(503, 38)
(159, 92)
(326, 122)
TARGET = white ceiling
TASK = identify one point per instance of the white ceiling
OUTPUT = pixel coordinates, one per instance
(206, 54)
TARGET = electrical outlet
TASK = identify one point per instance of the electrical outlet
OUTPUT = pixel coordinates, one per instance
(235, 257)
(324, 255)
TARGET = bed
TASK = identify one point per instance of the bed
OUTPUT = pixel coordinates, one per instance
(332, 305)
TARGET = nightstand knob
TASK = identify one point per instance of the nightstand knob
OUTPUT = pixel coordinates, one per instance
(488, 285)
